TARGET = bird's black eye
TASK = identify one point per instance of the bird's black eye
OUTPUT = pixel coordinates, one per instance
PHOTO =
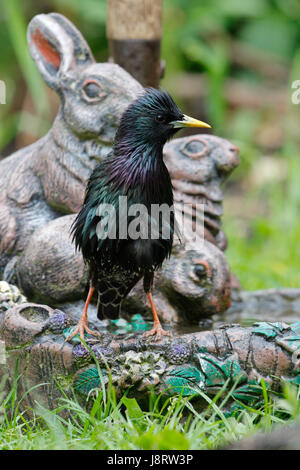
(92, 91)
(200, 271)
(160, 118)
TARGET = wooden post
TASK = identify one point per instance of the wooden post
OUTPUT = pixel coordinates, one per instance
(134, 31)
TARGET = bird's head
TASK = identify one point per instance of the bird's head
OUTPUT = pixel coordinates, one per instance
(153, 119)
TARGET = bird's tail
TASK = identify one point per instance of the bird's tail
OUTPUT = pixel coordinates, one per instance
(111, 293)
(110, 311)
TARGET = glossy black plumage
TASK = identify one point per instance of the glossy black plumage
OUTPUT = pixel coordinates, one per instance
(134, 169)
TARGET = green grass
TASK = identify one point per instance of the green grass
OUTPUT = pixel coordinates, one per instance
(123, 425)
(267, 258)
(264, 231)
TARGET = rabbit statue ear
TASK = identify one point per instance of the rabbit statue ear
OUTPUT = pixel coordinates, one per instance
(56, 47)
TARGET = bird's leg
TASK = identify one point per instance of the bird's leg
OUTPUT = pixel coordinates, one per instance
(157, 329)
(82, 325)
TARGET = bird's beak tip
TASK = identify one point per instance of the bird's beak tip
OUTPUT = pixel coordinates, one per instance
(188, 121)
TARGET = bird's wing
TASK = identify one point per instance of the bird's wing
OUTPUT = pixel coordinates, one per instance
(96, 224)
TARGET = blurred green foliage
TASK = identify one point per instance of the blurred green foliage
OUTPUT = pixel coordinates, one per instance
(252, 44)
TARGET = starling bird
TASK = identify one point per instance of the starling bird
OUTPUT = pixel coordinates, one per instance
(135, 172)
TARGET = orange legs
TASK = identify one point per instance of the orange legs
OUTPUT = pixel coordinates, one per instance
(157, 329)
(82, 325)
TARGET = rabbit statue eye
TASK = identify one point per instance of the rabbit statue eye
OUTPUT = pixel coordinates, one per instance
(200, 271)
(92, 91)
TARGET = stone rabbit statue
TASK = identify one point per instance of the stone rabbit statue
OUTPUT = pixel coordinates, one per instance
(47, 179)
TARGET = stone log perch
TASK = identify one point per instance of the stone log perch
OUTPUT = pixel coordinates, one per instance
(190, 364)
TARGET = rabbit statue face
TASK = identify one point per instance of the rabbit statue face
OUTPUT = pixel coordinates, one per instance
(94, 100)
(93, 95)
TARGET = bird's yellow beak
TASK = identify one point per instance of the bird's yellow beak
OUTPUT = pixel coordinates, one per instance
(188, 121)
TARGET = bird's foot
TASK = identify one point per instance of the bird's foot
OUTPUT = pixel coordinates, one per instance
(157, 331)
(81, 328)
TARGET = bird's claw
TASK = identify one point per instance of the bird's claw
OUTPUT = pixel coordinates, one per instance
(81, 328)
(157, 331)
